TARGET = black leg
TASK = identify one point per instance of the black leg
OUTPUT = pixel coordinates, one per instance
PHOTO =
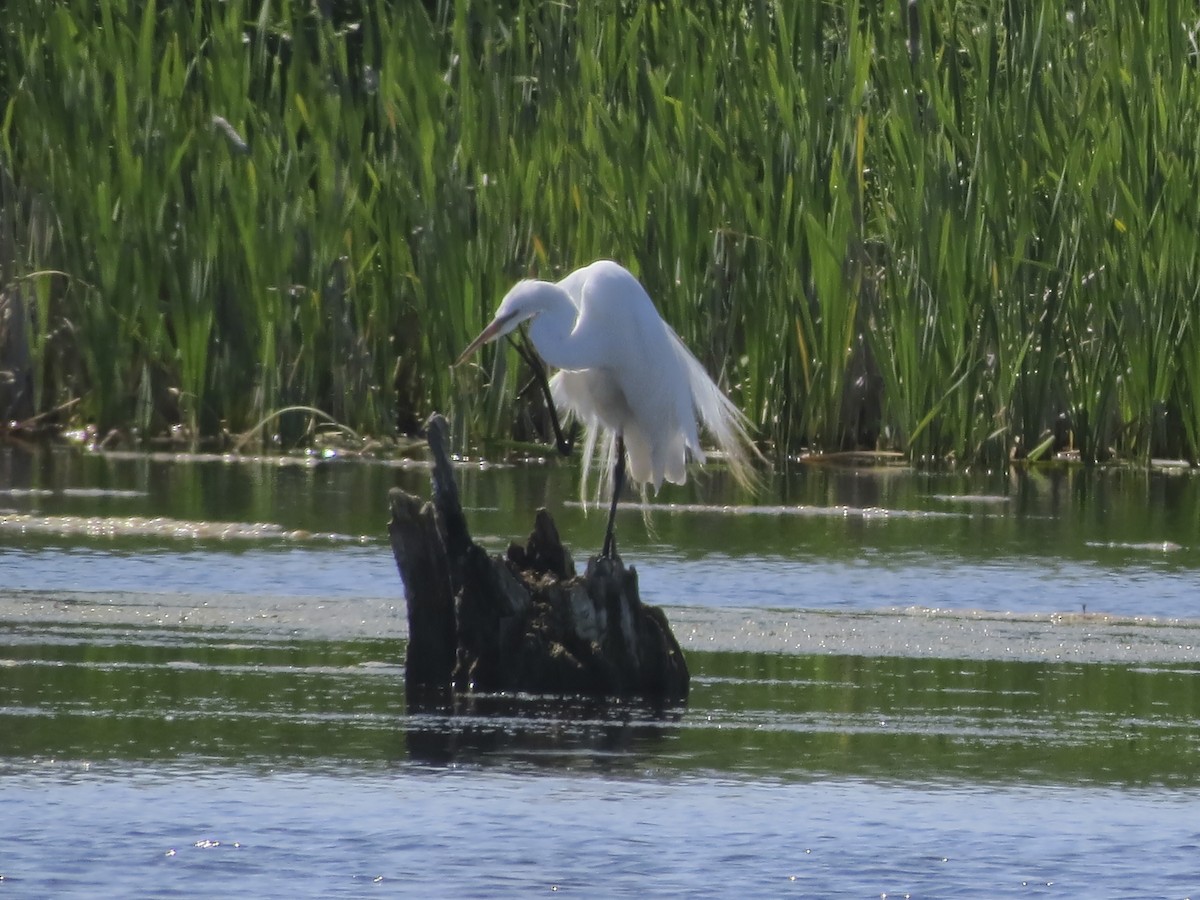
(564, 443)
(618, 482)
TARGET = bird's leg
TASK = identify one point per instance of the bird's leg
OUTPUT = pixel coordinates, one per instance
(618, 482)
(563, 442)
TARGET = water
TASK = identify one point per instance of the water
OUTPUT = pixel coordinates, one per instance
(897, 690)
(187, 762)
(1120, 542)
(443, 833)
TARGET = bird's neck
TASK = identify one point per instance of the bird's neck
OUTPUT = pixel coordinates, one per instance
(555, 334)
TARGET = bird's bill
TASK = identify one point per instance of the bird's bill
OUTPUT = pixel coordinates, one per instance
(490, 333)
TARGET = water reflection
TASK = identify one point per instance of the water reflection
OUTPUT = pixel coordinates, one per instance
(541, 732)
(1119, 541)
(933, 719)
(244, 699)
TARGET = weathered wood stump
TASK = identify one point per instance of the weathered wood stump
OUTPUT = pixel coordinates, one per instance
(525, 622)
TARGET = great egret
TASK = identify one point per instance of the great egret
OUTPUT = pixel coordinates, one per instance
(626, 375)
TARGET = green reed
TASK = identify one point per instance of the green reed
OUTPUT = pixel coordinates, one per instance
(961, 230)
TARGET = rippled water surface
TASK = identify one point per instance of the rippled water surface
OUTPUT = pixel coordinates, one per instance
(934, 685)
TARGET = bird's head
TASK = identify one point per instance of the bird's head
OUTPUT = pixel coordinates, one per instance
(520, 304)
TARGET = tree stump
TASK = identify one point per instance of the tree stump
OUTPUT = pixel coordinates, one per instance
(525, 622)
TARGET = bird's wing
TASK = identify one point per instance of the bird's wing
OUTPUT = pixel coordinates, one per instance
(726, 423)
(645, 393)
(574, 397)
(651, 389)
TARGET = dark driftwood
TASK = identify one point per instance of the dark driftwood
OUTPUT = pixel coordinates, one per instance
(524, 622)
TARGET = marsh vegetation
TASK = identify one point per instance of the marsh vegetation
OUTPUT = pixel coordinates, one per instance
(954, 229)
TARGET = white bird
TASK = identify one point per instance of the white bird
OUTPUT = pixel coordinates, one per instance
(626, 376)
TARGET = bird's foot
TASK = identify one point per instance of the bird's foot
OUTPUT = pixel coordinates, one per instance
(609, 550)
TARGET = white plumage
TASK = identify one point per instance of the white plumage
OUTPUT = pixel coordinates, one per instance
(623, 373)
